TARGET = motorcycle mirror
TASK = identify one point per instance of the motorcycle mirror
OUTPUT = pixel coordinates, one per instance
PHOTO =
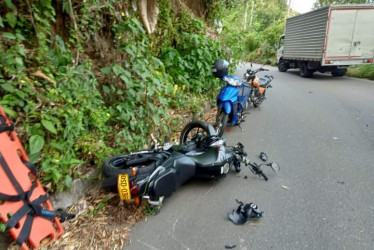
(275, 166)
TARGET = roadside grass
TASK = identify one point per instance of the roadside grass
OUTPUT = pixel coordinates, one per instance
(362, 71)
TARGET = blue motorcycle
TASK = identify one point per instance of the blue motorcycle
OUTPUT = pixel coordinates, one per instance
(232, 102)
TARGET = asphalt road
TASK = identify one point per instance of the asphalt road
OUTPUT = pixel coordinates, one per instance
(321, 131)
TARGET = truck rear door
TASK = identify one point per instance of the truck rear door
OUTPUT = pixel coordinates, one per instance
(363, 35)
(350, 36)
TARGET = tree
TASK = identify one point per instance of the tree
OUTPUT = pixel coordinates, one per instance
(321, 3)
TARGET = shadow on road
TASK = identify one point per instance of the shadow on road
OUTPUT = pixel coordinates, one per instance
(319, 76)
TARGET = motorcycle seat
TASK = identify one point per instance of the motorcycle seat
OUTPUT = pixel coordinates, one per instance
(194, 153)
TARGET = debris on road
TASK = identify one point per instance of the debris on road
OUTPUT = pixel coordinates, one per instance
(230, 246)
(285, 187)
(341, 182)
(263, 156)
(335, 138)
(244, 212)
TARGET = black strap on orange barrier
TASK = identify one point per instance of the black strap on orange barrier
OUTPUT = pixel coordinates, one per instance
(30, 209)
(4, 126)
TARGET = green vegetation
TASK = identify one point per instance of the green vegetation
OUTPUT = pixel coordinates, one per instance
(363, 71)
(321, 3)
(252, 28)
(83, 80)
(82, 89)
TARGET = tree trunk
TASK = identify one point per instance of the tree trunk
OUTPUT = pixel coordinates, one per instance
(245, 16)
(148, 11)
(252, 12)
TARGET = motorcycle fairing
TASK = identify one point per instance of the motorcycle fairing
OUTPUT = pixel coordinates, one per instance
(209, 164)
(225, 106)
(229, 108)
(228, 93)
(179, 169)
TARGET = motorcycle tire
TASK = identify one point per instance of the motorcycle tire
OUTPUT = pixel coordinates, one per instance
(221, 122)
(110, 184)
(247, 104)
(257, 103)
(282, 66)
(122, 164)
(190, 131)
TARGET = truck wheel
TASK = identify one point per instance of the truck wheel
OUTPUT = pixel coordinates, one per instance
(338, 72)
(282, 67)
(304, 71)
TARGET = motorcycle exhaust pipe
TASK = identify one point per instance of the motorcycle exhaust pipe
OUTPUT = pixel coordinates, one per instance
(154, 203)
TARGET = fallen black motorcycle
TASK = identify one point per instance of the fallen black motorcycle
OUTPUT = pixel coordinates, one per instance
(157, 173)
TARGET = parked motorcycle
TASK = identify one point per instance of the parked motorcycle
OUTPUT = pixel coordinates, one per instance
(157, 173)
(232, 100)
(259, 84)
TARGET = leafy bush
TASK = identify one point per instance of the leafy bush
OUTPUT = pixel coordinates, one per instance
(75, 107)
(363, 71)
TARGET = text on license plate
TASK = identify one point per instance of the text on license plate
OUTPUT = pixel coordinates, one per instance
(124, 187)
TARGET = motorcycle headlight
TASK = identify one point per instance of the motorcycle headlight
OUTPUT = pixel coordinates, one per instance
(245, 76)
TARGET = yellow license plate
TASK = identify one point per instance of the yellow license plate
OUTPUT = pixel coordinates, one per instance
(124, 187)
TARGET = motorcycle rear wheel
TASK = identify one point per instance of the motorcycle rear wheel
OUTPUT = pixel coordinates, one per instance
(221, 122)
(121, 164)
(258, 101)
(194, 131)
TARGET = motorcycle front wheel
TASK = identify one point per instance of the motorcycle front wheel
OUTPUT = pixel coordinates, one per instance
(221, 122)
(195, 131)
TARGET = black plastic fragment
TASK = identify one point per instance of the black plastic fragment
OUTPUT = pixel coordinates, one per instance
(263, 156)
(230, 246)
(244, 212)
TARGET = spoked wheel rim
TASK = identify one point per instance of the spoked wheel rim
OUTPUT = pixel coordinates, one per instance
(194, 133)
(221, 123)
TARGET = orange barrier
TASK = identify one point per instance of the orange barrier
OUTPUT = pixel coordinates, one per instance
(22, 197)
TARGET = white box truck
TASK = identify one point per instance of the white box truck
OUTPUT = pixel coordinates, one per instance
(328, 39)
